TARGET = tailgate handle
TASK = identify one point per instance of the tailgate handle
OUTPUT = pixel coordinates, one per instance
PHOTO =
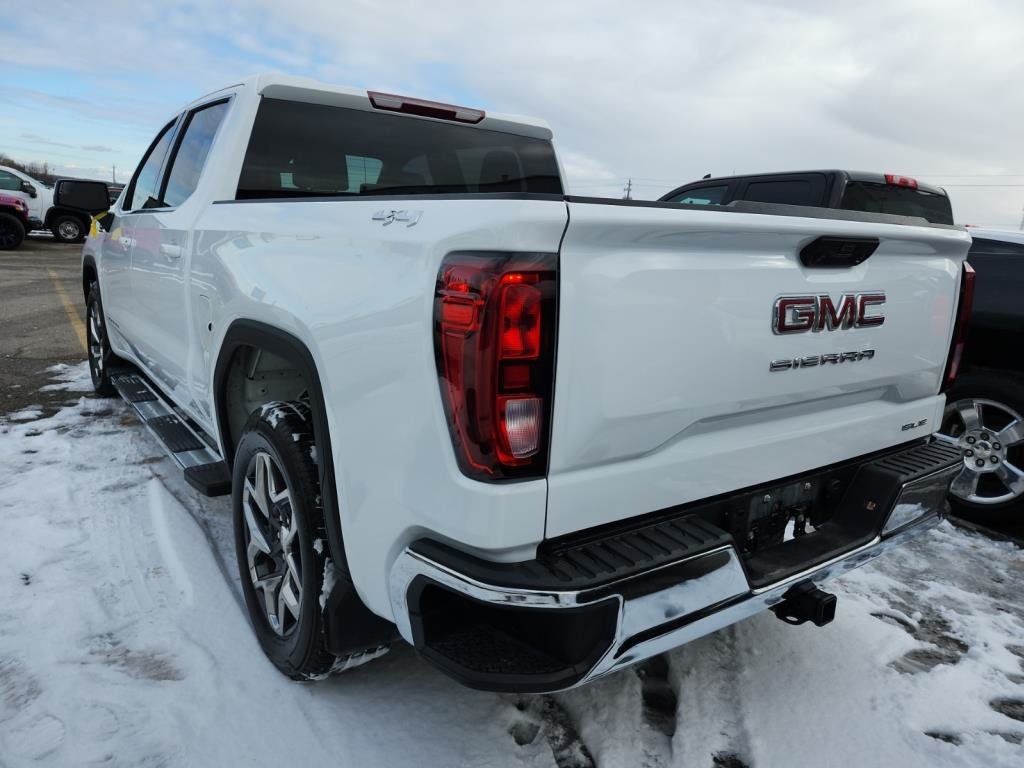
(837, 251)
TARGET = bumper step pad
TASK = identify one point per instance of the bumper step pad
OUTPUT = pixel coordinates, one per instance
(183, 441)
(589, 564)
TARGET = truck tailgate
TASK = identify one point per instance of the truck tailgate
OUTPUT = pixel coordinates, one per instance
(664, 393)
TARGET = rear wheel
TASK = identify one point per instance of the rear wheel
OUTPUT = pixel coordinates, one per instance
(278, 516)
(12, 232)
(984, 418)
(100, 355)
(68, 229)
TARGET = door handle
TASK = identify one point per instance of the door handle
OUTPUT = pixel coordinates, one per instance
(171, 251)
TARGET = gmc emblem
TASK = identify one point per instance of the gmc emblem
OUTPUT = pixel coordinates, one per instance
(798, 314)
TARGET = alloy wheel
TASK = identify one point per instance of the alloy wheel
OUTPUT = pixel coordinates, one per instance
(990, 436)
(96, 341)
(69, 230)
(271, 542)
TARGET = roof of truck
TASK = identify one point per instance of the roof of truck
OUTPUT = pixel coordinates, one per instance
(869, 176)
(291, 87)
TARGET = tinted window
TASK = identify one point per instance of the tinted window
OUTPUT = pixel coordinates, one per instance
(789, 192)
(302, 150)
(144, 191)
(702, 196)
(983, 246)
(9, 181)
(191, 156)
(877, 197)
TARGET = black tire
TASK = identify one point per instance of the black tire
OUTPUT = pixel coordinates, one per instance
(69, 229)
(1005, 390)
(284, 432)
(101, 358)
(12, 232)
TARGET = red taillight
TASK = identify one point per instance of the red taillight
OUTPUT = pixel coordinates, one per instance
(963, 317)
(435, 109)
(900, 181)
(494, 337)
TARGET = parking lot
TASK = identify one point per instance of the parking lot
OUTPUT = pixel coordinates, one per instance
(41, 312)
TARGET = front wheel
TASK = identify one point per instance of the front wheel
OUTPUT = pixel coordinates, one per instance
(278, 515)
(984, 418)
(68, 229)
(100, 355)
(12, 232)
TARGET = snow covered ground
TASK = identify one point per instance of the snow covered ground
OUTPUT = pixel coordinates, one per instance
(123, 642)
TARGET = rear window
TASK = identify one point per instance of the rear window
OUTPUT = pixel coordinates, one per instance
(876, 197)
(310, 150)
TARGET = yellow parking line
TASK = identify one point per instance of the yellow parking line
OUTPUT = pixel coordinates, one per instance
(69, 307)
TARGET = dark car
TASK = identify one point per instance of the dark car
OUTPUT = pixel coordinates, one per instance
(846, 190)
(13, 221)
(985, 406)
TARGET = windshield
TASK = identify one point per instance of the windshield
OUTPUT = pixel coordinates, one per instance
(303, 150)
(876, 197)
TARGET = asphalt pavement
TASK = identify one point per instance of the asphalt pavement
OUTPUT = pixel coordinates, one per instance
(42, 313)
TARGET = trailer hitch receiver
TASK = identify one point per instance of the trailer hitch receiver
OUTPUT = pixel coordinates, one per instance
(805, 602)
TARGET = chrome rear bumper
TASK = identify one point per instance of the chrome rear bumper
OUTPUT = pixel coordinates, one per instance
(654, 610)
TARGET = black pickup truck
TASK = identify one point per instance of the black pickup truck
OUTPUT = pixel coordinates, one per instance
(985, 406)
(845, 190)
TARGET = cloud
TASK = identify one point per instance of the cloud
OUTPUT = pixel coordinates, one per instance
(36, 139)
(664, 95)
(96, 148)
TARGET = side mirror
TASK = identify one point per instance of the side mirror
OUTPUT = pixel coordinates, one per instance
(28, 189)
(89, 196)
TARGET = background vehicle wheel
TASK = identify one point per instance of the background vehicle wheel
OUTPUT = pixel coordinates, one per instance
(984, 417)
(278, 515)
(100, 355)
(12, 232)
(68, 229)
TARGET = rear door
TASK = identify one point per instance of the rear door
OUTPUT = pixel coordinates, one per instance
(664, 392)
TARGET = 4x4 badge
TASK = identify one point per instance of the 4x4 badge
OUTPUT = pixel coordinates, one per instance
(387, 217)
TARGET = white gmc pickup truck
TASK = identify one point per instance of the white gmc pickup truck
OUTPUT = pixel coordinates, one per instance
(537, 436)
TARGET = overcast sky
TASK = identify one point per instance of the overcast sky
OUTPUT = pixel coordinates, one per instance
(660, 92)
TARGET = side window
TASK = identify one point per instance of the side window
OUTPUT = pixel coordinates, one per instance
(144, 188)
(200, 128)
(702, 196)
(801, 191)
(8, 181)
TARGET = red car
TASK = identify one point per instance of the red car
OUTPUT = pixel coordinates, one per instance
(13, 221)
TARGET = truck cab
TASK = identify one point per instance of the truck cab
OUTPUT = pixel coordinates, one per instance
(842, 190)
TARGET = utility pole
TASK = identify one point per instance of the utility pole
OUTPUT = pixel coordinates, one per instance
(628, 190)
(113, 172)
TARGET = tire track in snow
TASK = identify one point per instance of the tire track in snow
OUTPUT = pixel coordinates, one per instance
(175, 568)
